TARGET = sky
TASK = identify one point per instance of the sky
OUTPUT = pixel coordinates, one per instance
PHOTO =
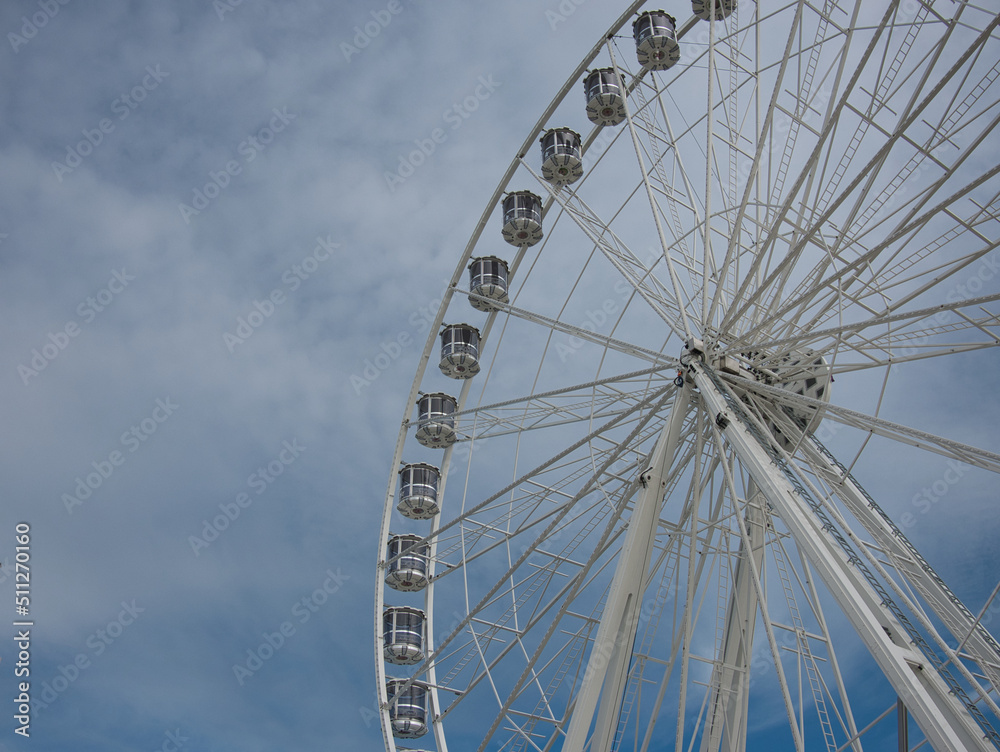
(211, 231)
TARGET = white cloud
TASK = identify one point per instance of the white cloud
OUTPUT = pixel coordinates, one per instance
(321, 175)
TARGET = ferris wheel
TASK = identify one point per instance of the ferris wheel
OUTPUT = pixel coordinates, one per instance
(641, 494)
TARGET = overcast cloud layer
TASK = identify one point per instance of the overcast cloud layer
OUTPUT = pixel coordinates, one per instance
(200, 254)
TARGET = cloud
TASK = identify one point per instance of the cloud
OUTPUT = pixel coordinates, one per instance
(295, 243)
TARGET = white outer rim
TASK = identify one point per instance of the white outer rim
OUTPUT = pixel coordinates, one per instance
(460, 270)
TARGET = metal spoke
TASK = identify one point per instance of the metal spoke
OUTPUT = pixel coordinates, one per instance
(638, 538)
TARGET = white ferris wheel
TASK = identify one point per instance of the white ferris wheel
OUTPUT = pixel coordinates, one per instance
(627, 506)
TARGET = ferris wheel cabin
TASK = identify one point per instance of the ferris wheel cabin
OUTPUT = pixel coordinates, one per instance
(562, 161)
(403, 635)
(605, 96)
(407, 708)
(459, 351)
(703, 8)
(418, 491)
(655, 33)
(487, 278)
(436, 424)
(522, 218)
(406, 563)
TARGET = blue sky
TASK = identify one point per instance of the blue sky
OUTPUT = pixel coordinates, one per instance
(117, 114)
(207, 237)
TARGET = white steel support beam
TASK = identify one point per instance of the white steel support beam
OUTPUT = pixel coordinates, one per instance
(669, 306)
(654, 206)
(727, 713)
(607, 668)
(580, 332)
(908, 562)
(921, 439)
(946, 723)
